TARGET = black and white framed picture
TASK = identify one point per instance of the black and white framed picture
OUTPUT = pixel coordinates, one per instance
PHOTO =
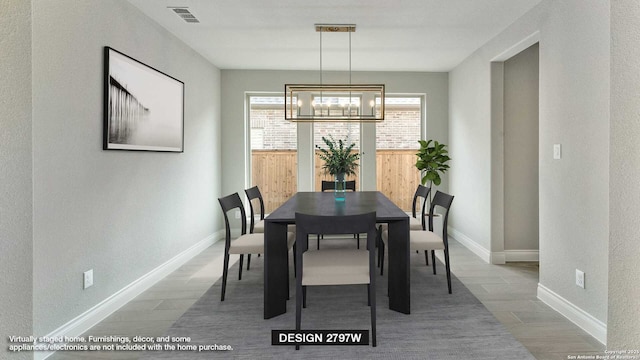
(143, 107)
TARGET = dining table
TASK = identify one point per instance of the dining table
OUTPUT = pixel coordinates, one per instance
(276, 280)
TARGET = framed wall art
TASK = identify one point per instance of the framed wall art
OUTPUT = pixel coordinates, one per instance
(143, 107)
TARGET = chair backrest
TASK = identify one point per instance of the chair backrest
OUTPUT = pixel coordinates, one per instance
(252, 194)
(443, 200)
(335, 225)
(331, 185)
(423, 192)
(229, 203)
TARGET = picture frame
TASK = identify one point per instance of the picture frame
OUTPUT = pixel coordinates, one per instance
(143, 107)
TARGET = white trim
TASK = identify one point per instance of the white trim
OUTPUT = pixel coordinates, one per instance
(85, 321)
(470, 244)
(498, 258)
(583, 319)
(521, 255)
(518, 47)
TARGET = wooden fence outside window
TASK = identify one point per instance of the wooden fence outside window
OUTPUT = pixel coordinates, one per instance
(275, 173)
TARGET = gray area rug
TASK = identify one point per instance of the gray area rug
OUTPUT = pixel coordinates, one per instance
(440, 326)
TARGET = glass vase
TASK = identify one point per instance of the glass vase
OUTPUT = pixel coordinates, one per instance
(340, 187)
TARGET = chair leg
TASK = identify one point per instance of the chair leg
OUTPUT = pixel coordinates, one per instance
(304, 297)
(288, 292)
(426, 257)
(446, 264)
(299, 289)
(248, 261)
(433, 260)
(382, 258)
(378, 247)
(225, 271)
(358, 237)
(295, 268)
(240, 273)
(372, 296)
(368, 295)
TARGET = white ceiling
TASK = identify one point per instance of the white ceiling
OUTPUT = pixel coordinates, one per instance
(391, 35)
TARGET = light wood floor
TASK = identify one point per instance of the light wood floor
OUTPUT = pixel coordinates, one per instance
(508, 291)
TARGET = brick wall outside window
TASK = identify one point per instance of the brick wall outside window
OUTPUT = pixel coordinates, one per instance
(399, 130)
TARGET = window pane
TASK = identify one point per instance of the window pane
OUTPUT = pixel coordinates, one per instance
(396, 146)
(348, 132)
(273, 151)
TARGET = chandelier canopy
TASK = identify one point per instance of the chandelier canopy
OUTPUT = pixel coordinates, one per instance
(345, 102)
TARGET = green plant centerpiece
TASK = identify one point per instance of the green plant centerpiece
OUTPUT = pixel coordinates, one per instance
(339, 161)
(432, 161)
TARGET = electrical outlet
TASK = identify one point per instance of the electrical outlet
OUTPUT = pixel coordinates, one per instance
(580, 278)
(237, 214)
(88, 278)
(557, 151)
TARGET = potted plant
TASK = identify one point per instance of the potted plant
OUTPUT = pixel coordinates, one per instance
(339, 161)
(432, 161)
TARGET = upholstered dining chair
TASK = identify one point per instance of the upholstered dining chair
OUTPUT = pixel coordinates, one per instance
(245, 243)
(423, 240)
(253, 194)
(335, 266)
(255, 226)
(415, 222)
(331, 185)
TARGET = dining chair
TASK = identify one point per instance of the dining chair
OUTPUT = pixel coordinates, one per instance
(253, 194)
(335, 266)
(255, 227)
(415, 223)
(245, 243)
(258, 227)
(331, 185)
(422, 240)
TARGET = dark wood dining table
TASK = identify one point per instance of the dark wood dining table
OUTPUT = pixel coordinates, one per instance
(324, 203)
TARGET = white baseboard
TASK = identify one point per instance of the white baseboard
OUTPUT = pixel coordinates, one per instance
(583, 319)
(470, 244)
(503, 257)
(522, 255)
(498, 258)
(85, 321)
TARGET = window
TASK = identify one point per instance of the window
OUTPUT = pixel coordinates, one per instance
(396, 146)
(273, 150)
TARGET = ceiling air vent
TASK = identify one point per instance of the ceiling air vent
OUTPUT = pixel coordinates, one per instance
(184, 14)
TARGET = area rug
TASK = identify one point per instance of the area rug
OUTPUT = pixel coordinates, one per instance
(440, 326)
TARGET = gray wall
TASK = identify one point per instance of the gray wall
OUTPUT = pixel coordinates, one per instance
(574, 111)
(521, 151)
(16, 225)
(120, 213)
(236, 82)
(624, 168)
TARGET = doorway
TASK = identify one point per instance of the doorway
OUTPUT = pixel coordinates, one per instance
(515, 153)
(521, 224)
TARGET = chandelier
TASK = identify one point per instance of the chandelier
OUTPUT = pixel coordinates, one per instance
(334, 102)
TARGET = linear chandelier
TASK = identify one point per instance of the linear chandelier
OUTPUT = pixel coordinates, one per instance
(334, 102)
